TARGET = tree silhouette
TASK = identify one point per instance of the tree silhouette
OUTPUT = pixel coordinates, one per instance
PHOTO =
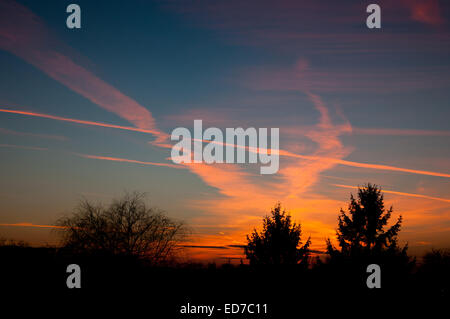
(361, 231)
(279, 243)
(127, 228)
(4, 242)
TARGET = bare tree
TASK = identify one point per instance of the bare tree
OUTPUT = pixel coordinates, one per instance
(127, 227)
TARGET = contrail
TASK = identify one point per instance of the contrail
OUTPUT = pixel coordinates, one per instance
(281, 152)
(400, 193)
(116, 159)
(65, 119)
(364, 165)
(32, 225)
(25, 147)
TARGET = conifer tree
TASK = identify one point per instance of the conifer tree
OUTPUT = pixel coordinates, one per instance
(279, 242)
(361, 231)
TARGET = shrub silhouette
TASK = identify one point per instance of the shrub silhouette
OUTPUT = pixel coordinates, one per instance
(126, 228)
(434, 273)
(279, 243)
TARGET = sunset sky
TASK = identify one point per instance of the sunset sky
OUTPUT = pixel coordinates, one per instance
(87, 113)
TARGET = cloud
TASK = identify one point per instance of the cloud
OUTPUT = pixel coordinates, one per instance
(31, 225)
(327, 139)
(65, 119)
(399, 193)
(248, 197)
(425, 11)
(33, 148)
(245, 197)
(26, 36)
(116, 159)
(365, 165)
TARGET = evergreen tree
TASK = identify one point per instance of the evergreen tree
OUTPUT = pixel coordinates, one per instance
(361, 230)
(279, 243)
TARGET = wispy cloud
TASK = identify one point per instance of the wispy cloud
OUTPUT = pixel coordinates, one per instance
(425, 11)
(26, 35)
(366, 165)
(117, 159)
(33, 148)
(65, 119)
(400, 193)
(31, 225)
(249, 196)
(333, 160)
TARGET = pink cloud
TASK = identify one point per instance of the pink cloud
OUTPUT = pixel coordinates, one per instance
(425, 11)
(26, 36)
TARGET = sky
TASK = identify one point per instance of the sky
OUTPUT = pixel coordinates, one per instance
(87, 113)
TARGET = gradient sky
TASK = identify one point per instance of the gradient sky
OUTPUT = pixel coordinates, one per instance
(86, 113)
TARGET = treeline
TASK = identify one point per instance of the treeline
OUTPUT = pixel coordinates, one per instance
(128, 246)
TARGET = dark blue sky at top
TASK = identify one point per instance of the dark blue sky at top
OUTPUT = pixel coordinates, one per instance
(169, 61)
(151, 54)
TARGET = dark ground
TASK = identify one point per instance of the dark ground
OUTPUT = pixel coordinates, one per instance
(121, 284)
